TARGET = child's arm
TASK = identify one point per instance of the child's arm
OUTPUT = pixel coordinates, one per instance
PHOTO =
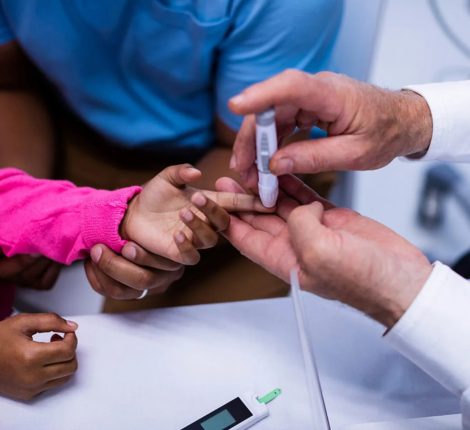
(63, 222)
(57, 219)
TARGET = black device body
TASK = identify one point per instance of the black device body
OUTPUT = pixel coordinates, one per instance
(236, 408)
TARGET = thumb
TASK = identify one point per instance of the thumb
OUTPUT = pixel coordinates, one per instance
(44, 323)
(180, 175)
(313, 156)
(306, 230)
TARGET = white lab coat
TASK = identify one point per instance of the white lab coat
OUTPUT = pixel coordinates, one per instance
(434, 333)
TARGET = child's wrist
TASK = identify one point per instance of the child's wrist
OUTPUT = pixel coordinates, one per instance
(126, 219)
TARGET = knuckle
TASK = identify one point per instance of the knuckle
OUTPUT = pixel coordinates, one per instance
(108, 264)
(97, 287)
(325, 75)
(146, 279)
(116, 293)
(225, 224)
(52, 318)
(315, 162)
(178, 274)
(297, 214)
(27, 379)
(212, 240)
(195, 259)
(26, 395)
(235, 200)
(69, 353)
(292, 74)
(27, 358)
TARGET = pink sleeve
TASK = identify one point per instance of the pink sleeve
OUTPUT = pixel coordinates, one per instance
(57, 219)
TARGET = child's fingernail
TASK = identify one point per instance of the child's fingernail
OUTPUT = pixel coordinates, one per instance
(95, 253)
(179, 237)
(199, 199)
(233, 162)
(129, 252)
(71, 324)
(188, 215)
(284, 166)
(237, 100)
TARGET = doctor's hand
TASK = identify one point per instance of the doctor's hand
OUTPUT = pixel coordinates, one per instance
(27, 368)
(339, 254)
(367, 126)
(166, 223)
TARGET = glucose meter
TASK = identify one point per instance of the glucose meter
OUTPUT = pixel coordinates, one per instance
(239, 414)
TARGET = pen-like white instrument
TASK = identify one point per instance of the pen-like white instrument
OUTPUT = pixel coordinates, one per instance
(266, 146)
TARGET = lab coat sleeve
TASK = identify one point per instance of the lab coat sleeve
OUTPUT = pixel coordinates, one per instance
(434, 333)
(449, 103)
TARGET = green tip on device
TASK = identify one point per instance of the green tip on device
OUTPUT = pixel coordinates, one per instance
(271, 396)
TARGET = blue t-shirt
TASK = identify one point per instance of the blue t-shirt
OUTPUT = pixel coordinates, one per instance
(160, 71)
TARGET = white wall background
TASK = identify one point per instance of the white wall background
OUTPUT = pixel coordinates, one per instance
(411, 49)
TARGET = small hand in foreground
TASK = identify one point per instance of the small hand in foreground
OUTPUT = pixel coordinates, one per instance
(340, 255)
(167, 222)
(367, 126)
(27, 368)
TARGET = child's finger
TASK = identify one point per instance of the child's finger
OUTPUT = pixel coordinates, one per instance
(204, 236)
(43, 323)
(180, 175)
(216, 216)
(59, 370)
(59, 351)
(189, 254)
(55, 383)
(229, 185)
(235, 202)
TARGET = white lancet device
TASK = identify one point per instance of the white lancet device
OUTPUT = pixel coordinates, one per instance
(239, 414)
(266, 146)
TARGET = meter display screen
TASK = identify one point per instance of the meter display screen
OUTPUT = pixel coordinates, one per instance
(221, 421)
(224, 418)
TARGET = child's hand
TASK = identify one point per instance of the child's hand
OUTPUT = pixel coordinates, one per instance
(173, 220)
(28, 368)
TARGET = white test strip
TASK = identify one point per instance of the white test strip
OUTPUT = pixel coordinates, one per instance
(317, 401)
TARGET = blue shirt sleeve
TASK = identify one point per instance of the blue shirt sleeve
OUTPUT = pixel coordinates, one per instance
(6, 34)
(269, 36)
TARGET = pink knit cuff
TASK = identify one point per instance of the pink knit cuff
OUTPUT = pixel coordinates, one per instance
(102, 214)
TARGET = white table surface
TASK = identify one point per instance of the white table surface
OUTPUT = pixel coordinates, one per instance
(162, 369)
(448, 422)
